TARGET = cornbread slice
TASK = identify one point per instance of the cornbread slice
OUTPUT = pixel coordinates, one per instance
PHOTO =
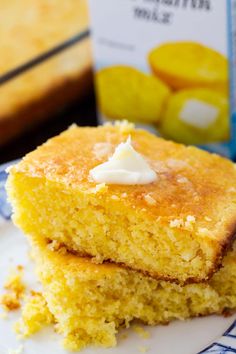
(90, 301)
(176, 228)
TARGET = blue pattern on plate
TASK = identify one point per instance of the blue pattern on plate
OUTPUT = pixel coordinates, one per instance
(5, 208)
(224, 345)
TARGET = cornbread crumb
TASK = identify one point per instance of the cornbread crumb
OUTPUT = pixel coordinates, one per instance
(182, 180)
(14, 281)
(176, 223)
(187, 225)
(35, 315)
(124, 126)
(143, 349)
(15, 289)
(115, 197)
(190, 220)
(102, 150)
(57, 247)
(158, 166)
(53, 245)
(141, 332)
(97, 259)
(8, 169)
(100, 188)
(207, 218)
(72, 126)
(203, 231)
(19, 350)
(177, 164)
(10, 302)
(149, 199)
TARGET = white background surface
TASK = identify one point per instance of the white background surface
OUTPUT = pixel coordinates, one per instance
(187, 337)
(113, 20)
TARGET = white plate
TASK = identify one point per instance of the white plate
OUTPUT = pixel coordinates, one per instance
(188, 337)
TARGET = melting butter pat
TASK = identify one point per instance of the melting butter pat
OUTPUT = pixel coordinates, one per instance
(199, 114)
(126, 166)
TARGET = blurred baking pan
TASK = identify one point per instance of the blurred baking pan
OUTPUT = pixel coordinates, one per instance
(45, 60)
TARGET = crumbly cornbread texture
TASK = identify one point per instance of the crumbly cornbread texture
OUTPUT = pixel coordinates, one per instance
(174, 229)
(35, 315)
(90, 301)
(15, 289)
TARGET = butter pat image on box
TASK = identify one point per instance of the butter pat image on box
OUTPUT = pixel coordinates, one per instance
(196, 116)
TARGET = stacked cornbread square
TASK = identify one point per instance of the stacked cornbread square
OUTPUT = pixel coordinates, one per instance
(110, 253)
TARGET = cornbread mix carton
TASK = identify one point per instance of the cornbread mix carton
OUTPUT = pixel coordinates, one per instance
(168, 65)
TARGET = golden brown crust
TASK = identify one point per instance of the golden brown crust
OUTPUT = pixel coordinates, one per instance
(10, 302)
(194, 192)
(62, 249)
(225, 246)
(74, 262)
(190, 181)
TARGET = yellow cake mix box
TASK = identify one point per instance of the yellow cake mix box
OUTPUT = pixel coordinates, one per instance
(170, 66)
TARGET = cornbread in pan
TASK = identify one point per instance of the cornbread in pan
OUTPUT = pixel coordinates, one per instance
(29, 28)
(91, 301)
(177, 228)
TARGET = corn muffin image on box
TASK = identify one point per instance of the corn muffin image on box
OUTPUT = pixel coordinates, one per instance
(168, 66)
